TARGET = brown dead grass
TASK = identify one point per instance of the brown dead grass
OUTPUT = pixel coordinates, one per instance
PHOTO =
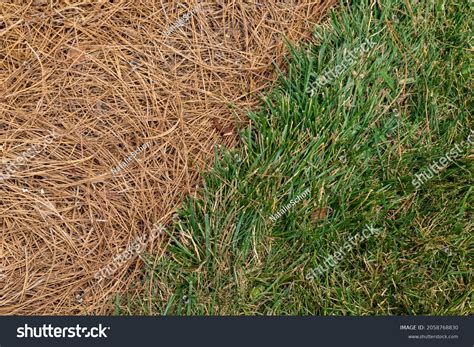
(105, 77)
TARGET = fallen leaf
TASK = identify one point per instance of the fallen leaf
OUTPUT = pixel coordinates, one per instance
(224, 129)
(77, 54)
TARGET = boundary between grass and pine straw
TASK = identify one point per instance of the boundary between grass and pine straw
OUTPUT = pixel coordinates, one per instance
(225, 259)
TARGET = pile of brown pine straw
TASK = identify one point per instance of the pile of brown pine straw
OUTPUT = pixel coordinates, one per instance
(108, 77)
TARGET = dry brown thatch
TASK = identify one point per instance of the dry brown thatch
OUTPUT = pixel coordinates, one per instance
(108, 77)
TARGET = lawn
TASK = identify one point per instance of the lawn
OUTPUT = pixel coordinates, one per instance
(324, 179)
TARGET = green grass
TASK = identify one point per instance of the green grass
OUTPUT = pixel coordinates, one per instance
(399, 108)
